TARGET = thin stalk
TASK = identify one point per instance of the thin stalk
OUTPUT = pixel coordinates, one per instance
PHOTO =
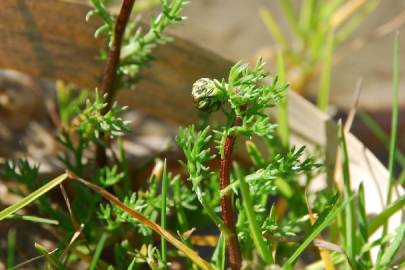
(110, 69)
(288, 10)
(307, 15)
(163, 214)
(383, 216)
(329, 8)
(232, 243)
(181, 216)
(97, 253)
(363, 231)
(349, 218)
(34, 219)
(124, 165)
(273, 27)
(393, 137)
(11, 239)
(191, 254)
(346, 11)
(260, 244)
(394, 120)
(354, 21)
(324, 253)
(50, 258)
(218, 258)
(213, 216)
(377, 131)
(282, 118)
(324, 89)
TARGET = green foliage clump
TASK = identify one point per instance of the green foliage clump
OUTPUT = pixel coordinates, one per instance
(120, 233)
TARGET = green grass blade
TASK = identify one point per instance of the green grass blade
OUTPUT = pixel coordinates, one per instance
(329, 7)
(33, 196)
(382, 218)
(325, 81)
(97, 253)
(392, 250)
(307, 15)
(34, 219)
(393, 137)
(273, 28)
(163, 214)
(362, 214)
(11, 239)
(219, 256)
(363, 229)
(50, 258)
(254, 228)
(180, 214)
(123, 164)
(289, 13)
(394, 120)
(337, 259)
(282, 119)
(324, 220)
(349, 218)
(379, 132)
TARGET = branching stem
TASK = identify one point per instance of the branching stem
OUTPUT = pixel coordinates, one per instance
(232, 242)
(111, 67)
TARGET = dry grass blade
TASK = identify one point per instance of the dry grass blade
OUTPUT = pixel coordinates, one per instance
(322, 244)
(191, 254)
(72, 240)
(33, 259)
(344, 12)
(353, 109)
(347, 127)
(77, 233)
(72, 217)
(380, 32)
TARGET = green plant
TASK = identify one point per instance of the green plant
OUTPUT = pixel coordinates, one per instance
(111, 225)
(243, 99)
(306, 53)
(255, 229)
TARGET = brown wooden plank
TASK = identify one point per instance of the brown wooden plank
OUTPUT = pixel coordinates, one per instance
(51, 39)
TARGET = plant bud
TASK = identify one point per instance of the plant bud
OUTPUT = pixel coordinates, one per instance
(207, 97)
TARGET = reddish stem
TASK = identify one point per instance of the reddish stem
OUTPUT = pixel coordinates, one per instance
(235, 259)
(110, 69)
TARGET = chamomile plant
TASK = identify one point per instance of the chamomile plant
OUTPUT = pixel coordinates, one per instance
(254, 205)
(245, 193)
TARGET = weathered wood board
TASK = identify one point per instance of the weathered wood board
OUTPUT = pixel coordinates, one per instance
(49, 38)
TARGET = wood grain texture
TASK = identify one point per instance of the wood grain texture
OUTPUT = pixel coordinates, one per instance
(50, 38)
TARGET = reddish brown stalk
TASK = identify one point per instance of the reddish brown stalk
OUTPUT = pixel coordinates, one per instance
(232, 243)
(110, 69)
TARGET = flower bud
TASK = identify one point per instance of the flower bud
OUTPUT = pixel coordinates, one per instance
(207, 97)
